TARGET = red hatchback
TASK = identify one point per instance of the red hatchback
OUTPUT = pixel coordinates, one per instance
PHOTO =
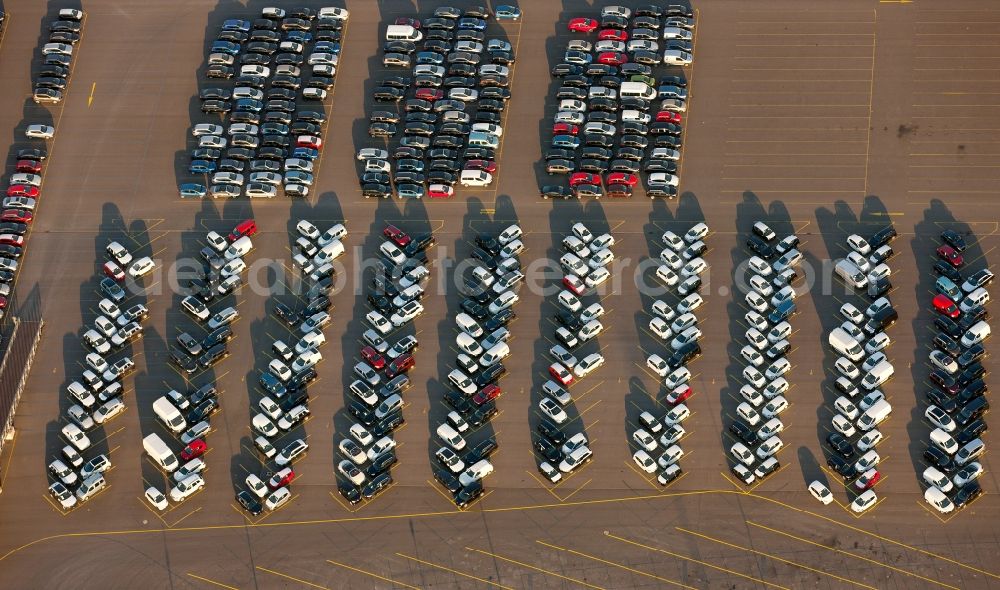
(487, 165)
(397, 235)
(679, 395)
(281, 478)
(487, 393)
(400, 365)
(574, 284)
(247, 227)
(22, 190)
(622, 178)
(582, 25)
(431, 94)
(668, 117)
(18, 215)
(440, 191)
(612, 58)
(29, 166)
(195, 449)
(309, 141)
(403, 20)
(945, 306)
(12, 240)
(560, 373)
(613, 35)
(868, 479)
(373, 358)
(114, 271)
(565, 129)
(951, 255)
(584, 178)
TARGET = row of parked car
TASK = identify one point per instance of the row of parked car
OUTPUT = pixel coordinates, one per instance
(452, 105)
(380, 374)
(52, 78)
(957, 400)
(97, 396)
(258, 70)
(862, 367)
(676, 328)
(605, 123)
(483, 343)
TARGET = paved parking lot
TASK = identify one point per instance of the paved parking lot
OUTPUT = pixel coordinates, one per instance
(795, 149)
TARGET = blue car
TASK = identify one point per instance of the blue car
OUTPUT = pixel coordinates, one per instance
(298, 37)
(785, 310)
(112, 289)
(225, 47)
(507, 12)
(565, 141)
(327, 47)
(235, 24)
(191, 190)
(249, 104)
(476, 24)
(202, 167)
(305, 153)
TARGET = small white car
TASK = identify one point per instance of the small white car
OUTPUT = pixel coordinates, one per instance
(644, 461)
(40, 131)
(820, 492)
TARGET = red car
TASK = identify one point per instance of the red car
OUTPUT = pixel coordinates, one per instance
(12, 240)
(565, 129)
(114, 271)
(22, 190)
(440, 191)
(622, 178)
(584, 178)
(582, 25)
(679, 394)
(197, 448)
(668, 117)
(18, 215)
(397, 235)
(486, 165)
(403, 20)
(560, 373)
(29, 166)
(613, 35)
(574, 284)
(951, 255)
(3, 302)
(247, 227)
(309, 141)
(281, 478)
(430, 94)
(868, 479)
(945, 306)
(401, 365)
(612, 58)
(373, 358)
(487, 393)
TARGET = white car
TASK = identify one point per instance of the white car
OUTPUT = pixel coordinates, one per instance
(847, 368)
(843, 425)
(278, 498)
(678, 376)
(672, 240)
(864, 501)
(379, 322)
(769, 447)
(970, 472)
(644, 439)
(774, 407)
(690, 303)
(670, 456)
(141, 267)
(644, 461)
(777, 368)
(852, 314)
(186, 487)
(941, 360)
(936, 498)
(755, 301)
(373, 154)
(588, 364)
(676, 415)
(40, 131)
(686, 337)
(666, 275)
(877, 343)
(742, 454)
(552, 410)
(669, 257)
(351, 472)
(859, 244)
(869, 440)
(190, 468)
(940, 418)
(256, 486)
(846, 407)
(752, 356)
(155, 497)
(820, 492)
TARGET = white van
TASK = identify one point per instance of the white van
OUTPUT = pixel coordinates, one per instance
(475, 472)
(637, 89)
(329, 252)
(451, 437)
(483, 139)
(402, 33)
(851, 274)
(874, 415)
(169, 415)
(977, 333)
(239, 248)
(879, 374)
(494, 355)
(843, 343)
(475, 177)
(160, 452)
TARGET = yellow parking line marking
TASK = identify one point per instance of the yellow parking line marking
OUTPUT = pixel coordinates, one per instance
(286, 576)
(775, 557)
(372, 574)
(573, 493)
(618, 565)
(849, 554)
(698, 561)
(219, 584)
(536, 568)
(454, 571)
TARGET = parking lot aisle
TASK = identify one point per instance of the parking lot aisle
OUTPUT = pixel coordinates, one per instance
(395, 583)
(798, 104)
(533, 568)
(614, 564)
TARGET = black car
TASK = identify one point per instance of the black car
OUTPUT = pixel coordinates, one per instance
(941, 400)
(249, 503)
(947, 345)
(841, 466)
(362, 413)
(953, 239)
(551, 432)
(446, 479)
(499, 319)
(482, 451)
(935, 457)
(182, 360)
(302, 379)
(349, 491)
(380, 303)
(566, 69)
(458, 401)
(547, 449)
(744, 432)
(971, 317)
(482, 414)
(971, 391)
(948, 326)
(387, 424)
(570, 320)
(970, 373)
(203, 410)
(970, 355)
(287, 315)
(760, 247)
(973, 431)
(882, 237)
(213, 355)
(973, 410)
(376, 485)
(840, 444)
(272, 384)
(468, 494)
(489, 374)
(967, 493)
(686, 353)
(946, 270)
